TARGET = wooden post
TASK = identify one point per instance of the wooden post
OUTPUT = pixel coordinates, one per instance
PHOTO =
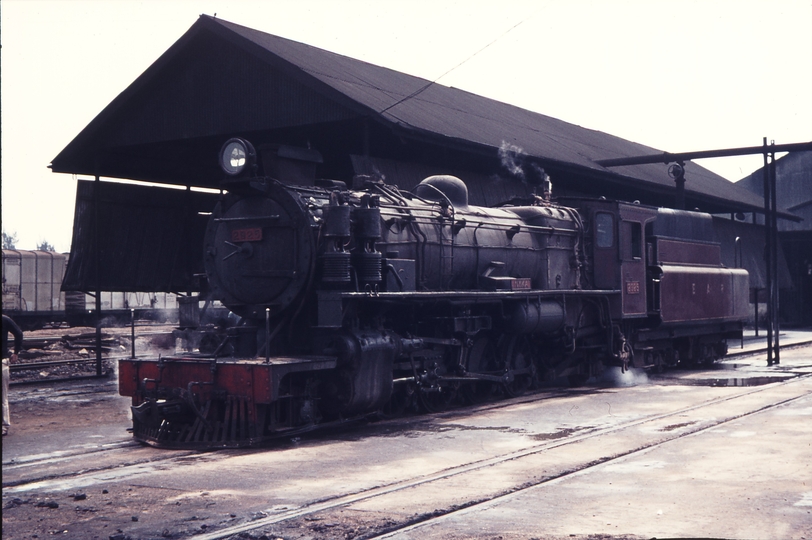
(97, 266)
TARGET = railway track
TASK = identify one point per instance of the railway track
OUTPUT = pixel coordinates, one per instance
(124, 446)
(113, 460)
(26, 366)
(405, 528)
(124, 460)
(512, 457)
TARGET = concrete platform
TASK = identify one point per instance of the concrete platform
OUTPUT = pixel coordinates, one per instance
(752, 344)
(749, 479)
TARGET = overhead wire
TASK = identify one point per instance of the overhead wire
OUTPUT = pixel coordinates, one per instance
(428, 85)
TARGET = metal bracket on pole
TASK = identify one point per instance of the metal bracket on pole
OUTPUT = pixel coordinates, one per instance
(677, 171)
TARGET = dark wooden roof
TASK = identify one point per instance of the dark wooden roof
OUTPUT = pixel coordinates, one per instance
(221, 79)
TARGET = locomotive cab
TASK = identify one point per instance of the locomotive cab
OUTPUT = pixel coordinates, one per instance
(614, 232)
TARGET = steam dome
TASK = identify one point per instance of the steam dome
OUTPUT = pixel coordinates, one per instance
(434, 187)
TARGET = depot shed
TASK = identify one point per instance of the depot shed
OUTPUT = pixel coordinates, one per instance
(793, 192)
(221, 80)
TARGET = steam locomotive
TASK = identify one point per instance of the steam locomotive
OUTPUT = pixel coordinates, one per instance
(372, 299)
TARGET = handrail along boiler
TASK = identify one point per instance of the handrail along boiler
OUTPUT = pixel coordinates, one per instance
(354, 301)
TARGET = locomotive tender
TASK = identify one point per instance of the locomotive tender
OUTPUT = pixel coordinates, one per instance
(354, 301)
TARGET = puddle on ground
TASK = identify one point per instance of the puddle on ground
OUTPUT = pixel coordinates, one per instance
(735, 381)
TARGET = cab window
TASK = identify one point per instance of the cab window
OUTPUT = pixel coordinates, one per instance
(637, 241)
(604, 230)
(632, 240)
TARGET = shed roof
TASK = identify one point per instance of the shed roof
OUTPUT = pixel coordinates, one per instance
(793, 186)
(220, 79)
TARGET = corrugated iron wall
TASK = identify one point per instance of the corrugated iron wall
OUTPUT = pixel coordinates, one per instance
(150, 238)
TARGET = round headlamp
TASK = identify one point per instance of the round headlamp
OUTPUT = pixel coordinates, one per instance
(236, 155)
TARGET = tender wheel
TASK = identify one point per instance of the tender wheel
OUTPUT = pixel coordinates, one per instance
(517, 354)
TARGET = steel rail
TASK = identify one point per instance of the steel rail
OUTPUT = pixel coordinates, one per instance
(123, 447)
(434, 517)
(344, 500)
(32, 461)
(27, 366)
(63, 455)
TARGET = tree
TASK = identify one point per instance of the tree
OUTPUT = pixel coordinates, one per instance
(10, 240)
(45, 246)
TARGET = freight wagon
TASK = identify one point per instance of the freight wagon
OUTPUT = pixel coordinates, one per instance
(32, 295)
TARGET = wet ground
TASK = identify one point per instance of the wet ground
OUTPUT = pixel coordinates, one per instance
(721, 453)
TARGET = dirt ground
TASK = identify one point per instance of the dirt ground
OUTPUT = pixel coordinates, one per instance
(129, 511)
(36, 411)
(45, 416)
(78, 343)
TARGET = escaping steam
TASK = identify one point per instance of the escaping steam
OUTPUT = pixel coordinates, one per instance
(615, 377)
(516, 162)
(512, 158)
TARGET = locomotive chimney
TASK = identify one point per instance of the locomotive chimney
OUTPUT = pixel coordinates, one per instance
(546, 186)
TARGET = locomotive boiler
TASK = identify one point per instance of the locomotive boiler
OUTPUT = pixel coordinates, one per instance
(369, 299)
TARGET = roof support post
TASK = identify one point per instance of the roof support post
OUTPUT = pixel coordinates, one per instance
(755, 303)
(768, 254)
(774, 242)
(97, 267)
(188, 217)
(770, 250)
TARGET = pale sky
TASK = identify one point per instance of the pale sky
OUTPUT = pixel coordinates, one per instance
(677, 75)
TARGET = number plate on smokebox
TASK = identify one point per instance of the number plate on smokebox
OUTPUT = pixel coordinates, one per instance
(246, 235)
